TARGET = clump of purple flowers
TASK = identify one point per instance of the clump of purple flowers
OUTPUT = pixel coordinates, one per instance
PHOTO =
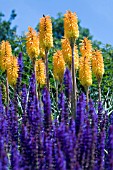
(36, 141)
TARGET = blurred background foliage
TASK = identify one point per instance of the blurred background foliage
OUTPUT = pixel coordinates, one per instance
(7, 32)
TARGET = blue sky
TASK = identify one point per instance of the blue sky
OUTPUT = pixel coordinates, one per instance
(97, 15)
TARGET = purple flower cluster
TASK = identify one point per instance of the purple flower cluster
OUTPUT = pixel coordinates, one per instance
(35, 141)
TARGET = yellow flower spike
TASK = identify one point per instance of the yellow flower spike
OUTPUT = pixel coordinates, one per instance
(71, 25)
(97, 64)
(86, 48)
(40, 72)
(85, 74)
(32, 43)
(5, 54)
(76, 56)
(67, 53)
(42, 53)
(12, 71)
(45, 29)
(58, 65)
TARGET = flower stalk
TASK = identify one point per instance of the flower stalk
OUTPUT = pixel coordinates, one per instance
(47, 73)
(87, 97)
(7, 89)
(99, 90)
(74, 96)
(34, 69)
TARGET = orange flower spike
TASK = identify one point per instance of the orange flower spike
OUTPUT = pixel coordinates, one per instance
(32, 43)
(67, 53)
(97, 64)
(5, 54)
(42, 53)
(12, 71)
(86, 48)
(45, 29)
(76, 58)
(71, 25)
(85, 74)
(58, 65)
(40, 72)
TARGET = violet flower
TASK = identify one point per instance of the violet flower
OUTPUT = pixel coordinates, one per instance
(47, 109)
(61, 106)
(68, 83)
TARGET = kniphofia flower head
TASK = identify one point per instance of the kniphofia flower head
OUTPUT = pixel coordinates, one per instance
(85, 74)
(45, 29)
(32, 43)
(42, 53)
(12, 71)
(97, 64)
(40, 72)
(5, 54)
(58, 65)
(71, 25)
(67, 53)
(86, 48)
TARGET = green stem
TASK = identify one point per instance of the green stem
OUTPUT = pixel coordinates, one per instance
(87, 98)
(74, 97)
(39, 92)
(99, 91)
(34, 68)
(56, 91)
(7, 89)
(47, 74)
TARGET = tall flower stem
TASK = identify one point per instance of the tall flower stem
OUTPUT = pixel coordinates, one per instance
(47, 74)
(39, 91)
(7, 89)
(99, 90)
(87, 97)
(74, 98)
(56, 91)
(34, 69)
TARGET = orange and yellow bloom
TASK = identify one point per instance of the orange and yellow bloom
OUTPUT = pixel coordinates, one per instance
(58, 65)
(5, 54)
(71, 30)
(67, 53)
(32, 43)
(97, 64)
(86, 48)
(12, 71)
(45, 29)
(85, 73)
(40, 72)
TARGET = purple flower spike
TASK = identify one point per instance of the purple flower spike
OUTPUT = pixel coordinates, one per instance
(81, 114)
(47, 109)
(68, 83)
(15, 157)
(20, 63)
(1, 105)
(3, 156)
(109, 159)
(24, 97)
(48, 151)
(61, 106)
